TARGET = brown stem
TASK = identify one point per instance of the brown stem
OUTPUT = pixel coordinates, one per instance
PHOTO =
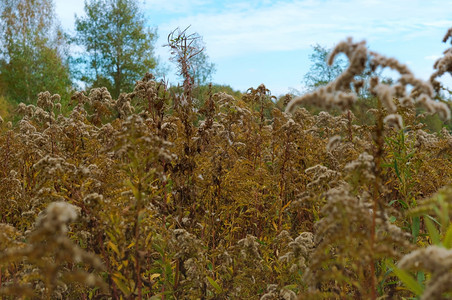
(350, 132)
(107, 260)
(1, 280)
(376, 201)
(137, 237)
(164, 277)
(177, 276)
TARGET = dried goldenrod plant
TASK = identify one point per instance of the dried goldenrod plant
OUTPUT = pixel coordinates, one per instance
(158, 195)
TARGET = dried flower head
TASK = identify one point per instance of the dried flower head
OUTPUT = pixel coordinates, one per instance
(249, 247)
(322, 176)
(299, 252)
(435, 260)
(337, 93)
(363, 166)
(333, 142)
(56, 217)
(394, 120)
(424, 139)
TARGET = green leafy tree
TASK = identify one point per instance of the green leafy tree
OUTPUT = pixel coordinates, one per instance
(33, 50)
(118, 47)
(202, 69)
(320, 73)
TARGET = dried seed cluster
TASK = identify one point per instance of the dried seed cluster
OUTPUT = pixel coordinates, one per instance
(159, 194)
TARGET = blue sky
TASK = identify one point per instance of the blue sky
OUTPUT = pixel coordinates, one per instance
(253, 42)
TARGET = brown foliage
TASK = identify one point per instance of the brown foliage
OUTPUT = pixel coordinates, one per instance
(235, 200)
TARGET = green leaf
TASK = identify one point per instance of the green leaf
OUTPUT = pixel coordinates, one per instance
(448, 237)
(411, 283)
(396, 168)
(415, 227)
(215, 284)
(403, 203)
(118, 279)
(392, 202)
(158, 248)
(420, 277)
(432, 231)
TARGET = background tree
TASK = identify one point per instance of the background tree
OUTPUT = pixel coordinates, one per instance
(33, 50)
(320, 73)
(118, 46)
(202, 69)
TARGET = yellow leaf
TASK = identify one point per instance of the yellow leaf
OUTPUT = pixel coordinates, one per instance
(113, 247)
(231, 271)
(119, 276)
(131, 245)
(215, 284)
(148, 238)
(134, 189)
(121, 284)
(274, 225)
(153, 276)
(285, 206)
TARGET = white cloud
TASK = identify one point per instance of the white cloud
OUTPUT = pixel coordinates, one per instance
(175, 6)
(291, 25)
(239, 30)
(433, 57)
(243, 27)
(66, 11)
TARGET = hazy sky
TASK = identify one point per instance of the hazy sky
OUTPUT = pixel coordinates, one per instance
(253, 42)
